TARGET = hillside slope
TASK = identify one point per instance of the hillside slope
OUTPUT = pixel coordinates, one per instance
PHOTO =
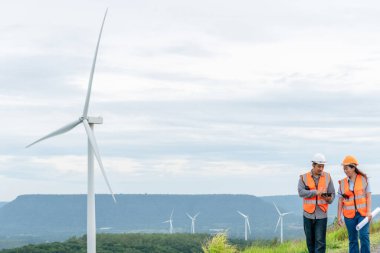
(66, 214)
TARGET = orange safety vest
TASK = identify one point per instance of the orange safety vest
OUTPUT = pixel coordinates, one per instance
(356, 200)
(310, 204)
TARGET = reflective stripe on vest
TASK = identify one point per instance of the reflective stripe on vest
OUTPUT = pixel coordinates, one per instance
(353, 207)
(309, 204)
(356, 200)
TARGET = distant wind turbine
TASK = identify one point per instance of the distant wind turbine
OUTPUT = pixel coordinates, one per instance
(88, 123)
(246, 225)
(192, 222)
(281, 218)
(170, 221)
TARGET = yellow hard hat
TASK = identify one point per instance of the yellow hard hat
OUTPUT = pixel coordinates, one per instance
(350, 159)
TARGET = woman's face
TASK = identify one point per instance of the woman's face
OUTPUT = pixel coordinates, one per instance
(349, 170)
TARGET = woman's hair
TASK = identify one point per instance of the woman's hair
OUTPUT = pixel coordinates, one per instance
(361, 173)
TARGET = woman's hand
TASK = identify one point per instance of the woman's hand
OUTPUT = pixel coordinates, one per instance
(340, 222)
(369, 216)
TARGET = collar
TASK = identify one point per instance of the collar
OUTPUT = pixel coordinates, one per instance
(316, 177)
(349, 180)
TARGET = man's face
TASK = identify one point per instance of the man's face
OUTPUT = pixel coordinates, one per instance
(318, 169)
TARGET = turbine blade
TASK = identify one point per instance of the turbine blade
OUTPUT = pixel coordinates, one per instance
(62, 130)
(196, 215)
(278, 222)
(242, 214)
(286, 213)
(188, 215)
(172, 214)
(91, 138)
(85, 110)
(276, 208)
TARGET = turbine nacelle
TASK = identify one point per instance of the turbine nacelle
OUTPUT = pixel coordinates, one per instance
(92, 120)
(192, 218)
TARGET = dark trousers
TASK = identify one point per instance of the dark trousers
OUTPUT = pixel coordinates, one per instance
(315, 231)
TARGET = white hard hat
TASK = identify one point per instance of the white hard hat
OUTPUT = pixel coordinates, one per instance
(319, 159)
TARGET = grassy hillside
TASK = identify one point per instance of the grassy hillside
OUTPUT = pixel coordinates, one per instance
(336, 241)
(62, 216)
(185, 243)
(127, 243)
(122, 243)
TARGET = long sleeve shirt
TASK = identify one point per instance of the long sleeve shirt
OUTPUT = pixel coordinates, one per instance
(303, 193)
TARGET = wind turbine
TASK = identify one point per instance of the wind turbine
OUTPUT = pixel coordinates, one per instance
(88, 123)
(246, 225)
(170, 221)
(281, 218)
(192, 222)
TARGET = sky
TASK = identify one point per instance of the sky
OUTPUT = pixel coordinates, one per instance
(197, 97)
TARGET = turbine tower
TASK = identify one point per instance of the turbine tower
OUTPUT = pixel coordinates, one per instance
(281, 218)
(170, 221)
(246, 225)
(88, 123)
(192, 222)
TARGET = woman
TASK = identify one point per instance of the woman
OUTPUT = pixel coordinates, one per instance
(355, 203)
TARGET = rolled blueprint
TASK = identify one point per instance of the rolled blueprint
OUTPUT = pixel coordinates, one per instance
(365, 221)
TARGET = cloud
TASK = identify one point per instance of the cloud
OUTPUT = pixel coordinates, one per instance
(124, 171)
(213, 96)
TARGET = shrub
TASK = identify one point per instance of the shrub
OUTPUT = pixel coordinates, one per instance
(219, 244)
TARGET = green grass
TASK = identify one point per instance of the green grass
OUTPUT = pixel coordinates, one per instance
(336, 242)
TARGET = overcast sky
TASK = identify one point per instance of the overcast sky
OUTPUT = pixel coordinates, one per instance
(197, 96)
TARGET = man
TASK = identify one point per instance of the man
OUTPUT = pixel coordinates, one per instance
(317, 190)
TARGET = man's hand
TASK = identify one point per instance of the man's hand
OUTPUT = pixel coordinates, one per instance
(328, 199)
(319, 192)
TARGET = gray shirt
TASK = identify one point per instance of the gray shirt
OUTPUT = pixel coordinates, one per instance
(303, 193)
